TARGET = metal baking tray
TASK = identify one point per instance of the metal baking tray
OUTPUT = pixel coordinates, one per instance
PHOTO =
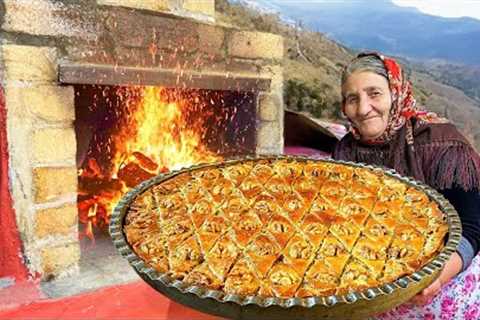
(355, 305)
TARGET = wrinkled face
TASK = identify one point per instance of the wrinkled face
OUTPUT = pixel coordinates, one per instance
(367, 102)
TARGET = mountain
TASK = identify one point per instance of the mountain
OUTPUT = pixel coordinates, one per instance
(313, 65)
(383, 26)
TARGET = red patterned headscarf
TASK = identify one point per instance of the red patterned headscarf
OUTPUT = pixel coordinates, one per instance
(404, 105)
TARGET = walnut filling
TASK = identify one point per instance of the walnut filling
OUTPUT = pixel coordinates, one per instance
(299, 250)
(370, 254)
(342, 230)
(263, 206)
(220, 190)
(333, 249)
(315, 228)
(293, 204)
(235, 206)
(355, 275)
(250, 186)
(277, 187)
(283, 278)
(279, 227)
(319, 206)
(381, 213)
(324, 277)
(212, 226)
(248, 224)
(199, 278)
(222, 250)
(406, 235)
(395, 252)
(236, 172)
(202, 206)
(262, 170)
(315, 171)
(209, 175)
(333, 192)
(170, 203)
(186, 253)
(176, 227)
(263, 248)
(378, 230)
(240, 278)
(191, 187)
(150, 248)
(353, 209)
(304, 186)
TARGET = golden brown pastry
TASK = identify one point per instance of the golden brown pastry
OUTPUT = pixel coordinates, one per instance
(285, 228)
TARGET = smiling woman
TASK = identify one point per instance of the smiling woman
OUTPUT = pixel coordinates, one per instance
(389, 129)
(367, 103)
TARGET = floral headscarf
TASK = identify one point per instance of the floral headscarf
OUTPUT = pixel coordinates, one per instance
(404, 105)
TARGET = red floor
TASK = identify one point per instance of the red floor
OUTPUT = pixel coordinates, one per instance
(131, 301)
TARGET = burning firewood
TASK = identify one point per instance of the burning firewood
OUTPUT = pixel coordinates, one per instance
(92, 169)
(145, 162)
(132, 174)
(91, 185)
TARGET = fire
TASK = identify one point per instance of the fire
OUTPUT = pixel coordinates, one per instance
(158, 130)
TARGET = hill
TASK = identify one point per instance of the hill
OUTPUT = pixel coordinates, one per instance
(392, 29)
(313, 65)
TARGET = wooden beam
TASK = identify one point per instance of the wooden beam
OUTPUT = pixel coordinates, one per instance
(124, 76)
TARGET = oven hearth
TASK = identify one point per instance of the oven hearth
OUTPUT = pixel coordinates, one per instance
(65, 66)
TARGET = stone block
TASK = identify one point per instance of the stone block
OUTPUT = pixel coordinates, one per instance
(49, 183)
(255, 45)
(153, 5)
(45, 102)
(54, 145)
(274, 72)
(56, 221)
(269, 107)
(43, 17)
(269, 137)
(56, 259)
(152, 33)
(29, 63)
(211, 39)
(206, 7)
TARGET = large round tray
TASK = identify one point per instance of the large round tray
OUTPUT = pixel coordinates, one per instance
(356, 305)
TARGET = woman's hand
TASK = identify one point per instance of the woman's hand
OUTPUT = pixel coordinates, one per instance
(451, 269)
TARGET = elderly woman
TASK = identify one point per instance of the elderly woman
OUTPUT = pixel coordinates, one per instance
(388, 129)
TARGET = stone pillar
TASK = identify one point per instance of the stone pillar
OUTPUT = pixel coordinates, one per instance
(42, 148)
(267, 50)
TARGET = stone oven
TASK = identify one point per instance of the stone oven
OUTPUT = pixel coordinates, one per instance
(56, 57)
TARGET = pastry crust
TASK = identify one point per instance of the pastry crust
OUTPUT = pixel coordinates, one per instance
(285, 228)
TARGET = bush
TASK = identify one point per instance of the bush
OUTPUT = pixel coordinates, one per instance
(299, 96)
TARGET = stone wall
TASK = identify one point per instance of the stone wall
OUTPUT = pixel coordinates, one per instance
(38, 36)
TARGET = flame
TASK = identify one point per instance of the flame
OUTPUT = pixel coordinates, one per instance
(155, 135)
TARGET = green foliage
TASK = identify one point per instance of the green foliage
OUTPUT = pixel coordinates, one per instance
(311, 98)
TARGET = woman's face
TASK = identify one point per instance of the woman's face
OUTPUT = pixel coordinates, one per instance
(367, 102)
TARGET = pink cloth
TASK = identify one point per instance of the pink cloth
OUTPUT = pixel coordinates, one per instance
(459, 300)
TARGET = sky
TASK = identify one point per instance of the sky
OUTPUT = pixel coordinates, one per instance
(445, 8)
